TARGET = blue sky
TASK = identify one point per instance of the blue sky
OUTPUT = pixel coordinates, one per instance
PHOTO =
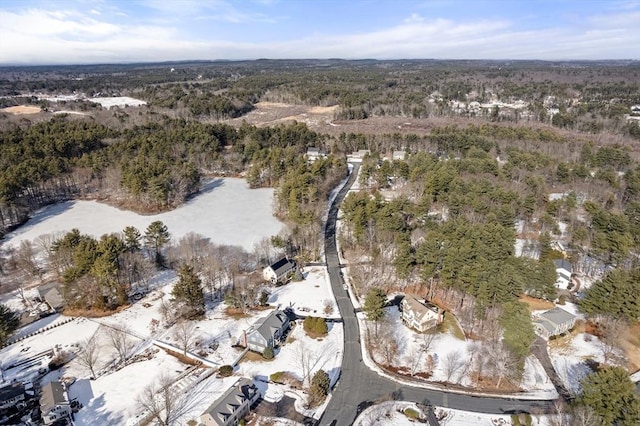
(108, 31)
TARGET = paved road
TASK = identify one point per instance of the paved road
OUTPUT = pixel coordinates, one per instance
(359, 386)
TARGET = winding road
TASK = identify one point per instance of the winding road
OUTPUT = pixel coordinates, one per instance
(359, 386)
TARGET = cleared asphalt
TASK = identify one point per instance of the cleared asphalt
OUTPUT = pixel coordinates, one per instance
(359, 386)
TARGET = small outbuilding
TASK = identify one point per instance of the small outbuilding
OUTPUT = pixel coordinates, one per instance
(563, 271)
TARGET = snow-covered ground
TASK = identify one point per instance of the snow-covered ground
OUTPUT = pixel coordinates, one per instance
(450, 357)
(226, 211)
(117, 101)
(309, 297)
(112, 397)
(390, 413)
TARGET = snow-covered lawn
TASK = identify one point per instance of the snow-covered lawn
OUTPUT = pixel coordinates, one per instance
(390, 413)
(311, 296)
(569, 355)
(449, 355)
(226, 211)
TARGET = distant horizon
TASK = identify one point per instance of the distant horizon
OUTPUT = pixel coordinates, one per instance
(82, 32)
(204, 61)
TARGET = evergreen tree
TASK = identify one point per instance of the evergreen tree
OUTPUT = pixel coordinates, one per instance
(188, 291)
(518, 330)
(611, 395)
(374, 305)
(617, 294)
(132, 238)
(155, 238)
(320, 384)
(9, 321)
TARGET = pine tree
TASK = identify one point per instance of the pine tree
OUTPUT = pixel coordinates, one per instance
(155, 237)
(9, 321)
(132, 238)
(611, 395)
(188, 291)
(320, 384)
(374, 305)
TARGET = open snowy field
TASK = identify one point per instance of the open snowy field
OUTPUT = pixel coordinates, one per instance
(226, 211)
(119, 101)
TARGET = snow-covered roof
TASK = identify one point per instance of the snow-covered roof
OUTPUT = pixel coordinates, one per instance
(53, 394)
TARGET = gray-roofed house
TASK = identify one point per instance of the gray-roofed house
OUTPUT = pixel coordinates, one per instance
(564, 271)
(314, 154)
(554, 322)
(51, 294)
(54, 403)
(399, 155)
(267, 332)
(279, 271)
(418, 315)
(11, 395)
(232, 406)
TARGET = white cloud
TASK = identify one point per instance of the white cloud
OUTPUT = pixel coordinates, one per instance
(40, 36)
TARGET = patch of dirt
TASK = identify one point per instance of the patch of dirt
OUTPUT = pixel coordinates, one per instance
(536, 304)
(21, 109)
(272, 113)
(630, 343)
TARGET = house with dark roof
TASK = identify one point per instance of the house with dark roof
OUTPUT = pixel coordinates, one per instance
(232, 406)
(267, 332)
(52, 294)
(563, 271)
(554, 322)
(54, 403)
(11, 395)
(419, 316)
(279, 271)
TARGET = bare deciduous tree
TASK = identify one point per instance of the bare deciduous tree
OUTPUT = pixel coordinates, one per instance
(25, 260)
(387, 345)
(184, 333)
(158, 400)
(309, 360)
(453, 363)
(89, 354)
(611, 329)
(121, 340)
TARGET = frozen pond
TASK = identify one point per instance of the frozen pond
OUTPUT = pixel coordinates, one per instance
(226, 211)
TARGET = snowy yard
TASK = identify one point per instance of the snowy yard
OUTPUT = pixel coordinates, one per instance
(447, 357)
(390, 413)
(311, 296)
(226, 211)
(112, 397)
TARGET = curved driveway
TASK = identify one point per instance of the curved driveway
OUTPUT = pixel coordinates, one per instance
(359, 386)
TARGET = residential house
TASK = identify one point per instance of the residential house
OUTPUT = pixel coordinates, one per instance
(54, 403)
(267, 332)
(359, 155)
(564, 271)
(11, 395)
(419, 316)
(52, 294)
(232, 406)
(554, 322)
(279, 271)
(314, 154)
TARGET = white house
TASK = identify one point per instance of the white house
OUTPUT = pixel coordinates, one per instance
(564, 271)
(54, 403)
(314, 154)
(232, 406)
(358, 156)
(554, 322)
(279, 270)
(419, 316)
(11, 395)
(399, 155)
